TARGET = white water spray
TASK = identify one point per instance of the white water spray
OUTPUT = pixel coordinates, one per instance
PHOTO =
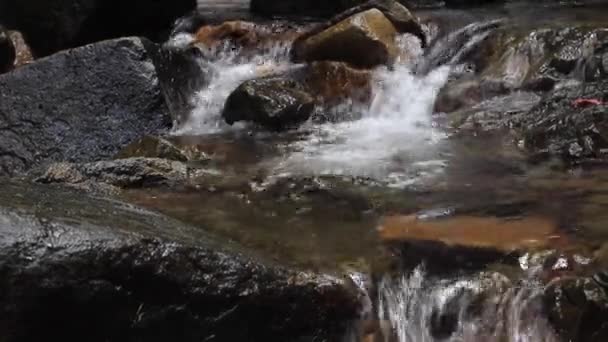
(481, 308)
(391, 141)
(228, 69)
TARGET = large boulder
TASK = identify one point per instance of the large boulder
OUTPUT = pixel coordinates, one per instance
(52, 25)
(78, 267)
(368, 31)
(273, 102)
(7, 51)
(79, 105)
(401, 18)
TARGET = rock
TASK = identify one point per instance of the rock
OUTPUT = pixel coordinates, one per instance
(22, 49)
(301, 8)
(239, 32)
(524, 58)
(272, 102)
(557, 127)
(464, 242)
(333, 83)
(182, 71)
(122, 173)
(7, 51)
(368, 31)
(79, 105)
(248, 38)
(78, 267)
(288, 99)
(50, 26)
(157, 147)
(577, 307)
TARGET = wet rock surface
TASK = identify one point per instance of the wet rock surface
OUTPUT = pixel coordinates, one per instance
(71, 270)
(275, 103)
(576, 306)
(79, 105)
(368, 31)
(122, 173)
(559, 127)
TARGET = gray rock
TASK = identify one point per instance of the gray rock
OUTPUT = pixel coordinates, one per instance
(76, 267)
(558, 127)
(79, 105)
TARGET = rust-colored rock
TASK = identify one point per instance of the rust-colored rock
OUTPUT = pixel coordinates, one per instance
(243, 34)
(333, 82)
(475, 232)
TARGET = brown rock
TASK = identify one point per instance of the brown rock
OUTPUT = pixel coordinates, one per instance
(365, 39)
(333, 82)
(474, 232)
(239, 32)
(243, 34)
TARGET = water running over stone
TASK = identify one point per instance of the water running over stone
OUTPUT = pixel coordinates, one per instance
(486, 307)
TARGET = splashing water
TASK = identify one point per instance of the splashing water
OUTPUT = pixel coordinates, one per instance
(397, 126)
(485, 308)
(229, 68)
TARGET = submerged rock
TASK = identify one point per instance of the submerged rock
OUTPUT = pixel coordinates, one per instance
(77, 267)
(465, 242)
(273, 102)
(79, 105)
(369, 31)
(7, 51)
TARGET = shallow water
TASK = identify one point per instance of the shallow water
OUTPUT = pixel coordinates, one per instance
(317, 197)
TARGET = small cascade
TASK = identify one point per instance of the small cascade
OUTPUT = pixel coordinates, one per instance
(453, 48)
(485, 307)
(228, 68)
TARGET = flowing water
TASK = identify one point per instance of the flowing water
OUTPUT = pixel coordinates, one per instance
(314, 197)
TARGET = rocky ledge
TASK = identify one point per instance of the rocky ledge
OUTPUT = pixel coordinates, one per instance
(78, 267)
